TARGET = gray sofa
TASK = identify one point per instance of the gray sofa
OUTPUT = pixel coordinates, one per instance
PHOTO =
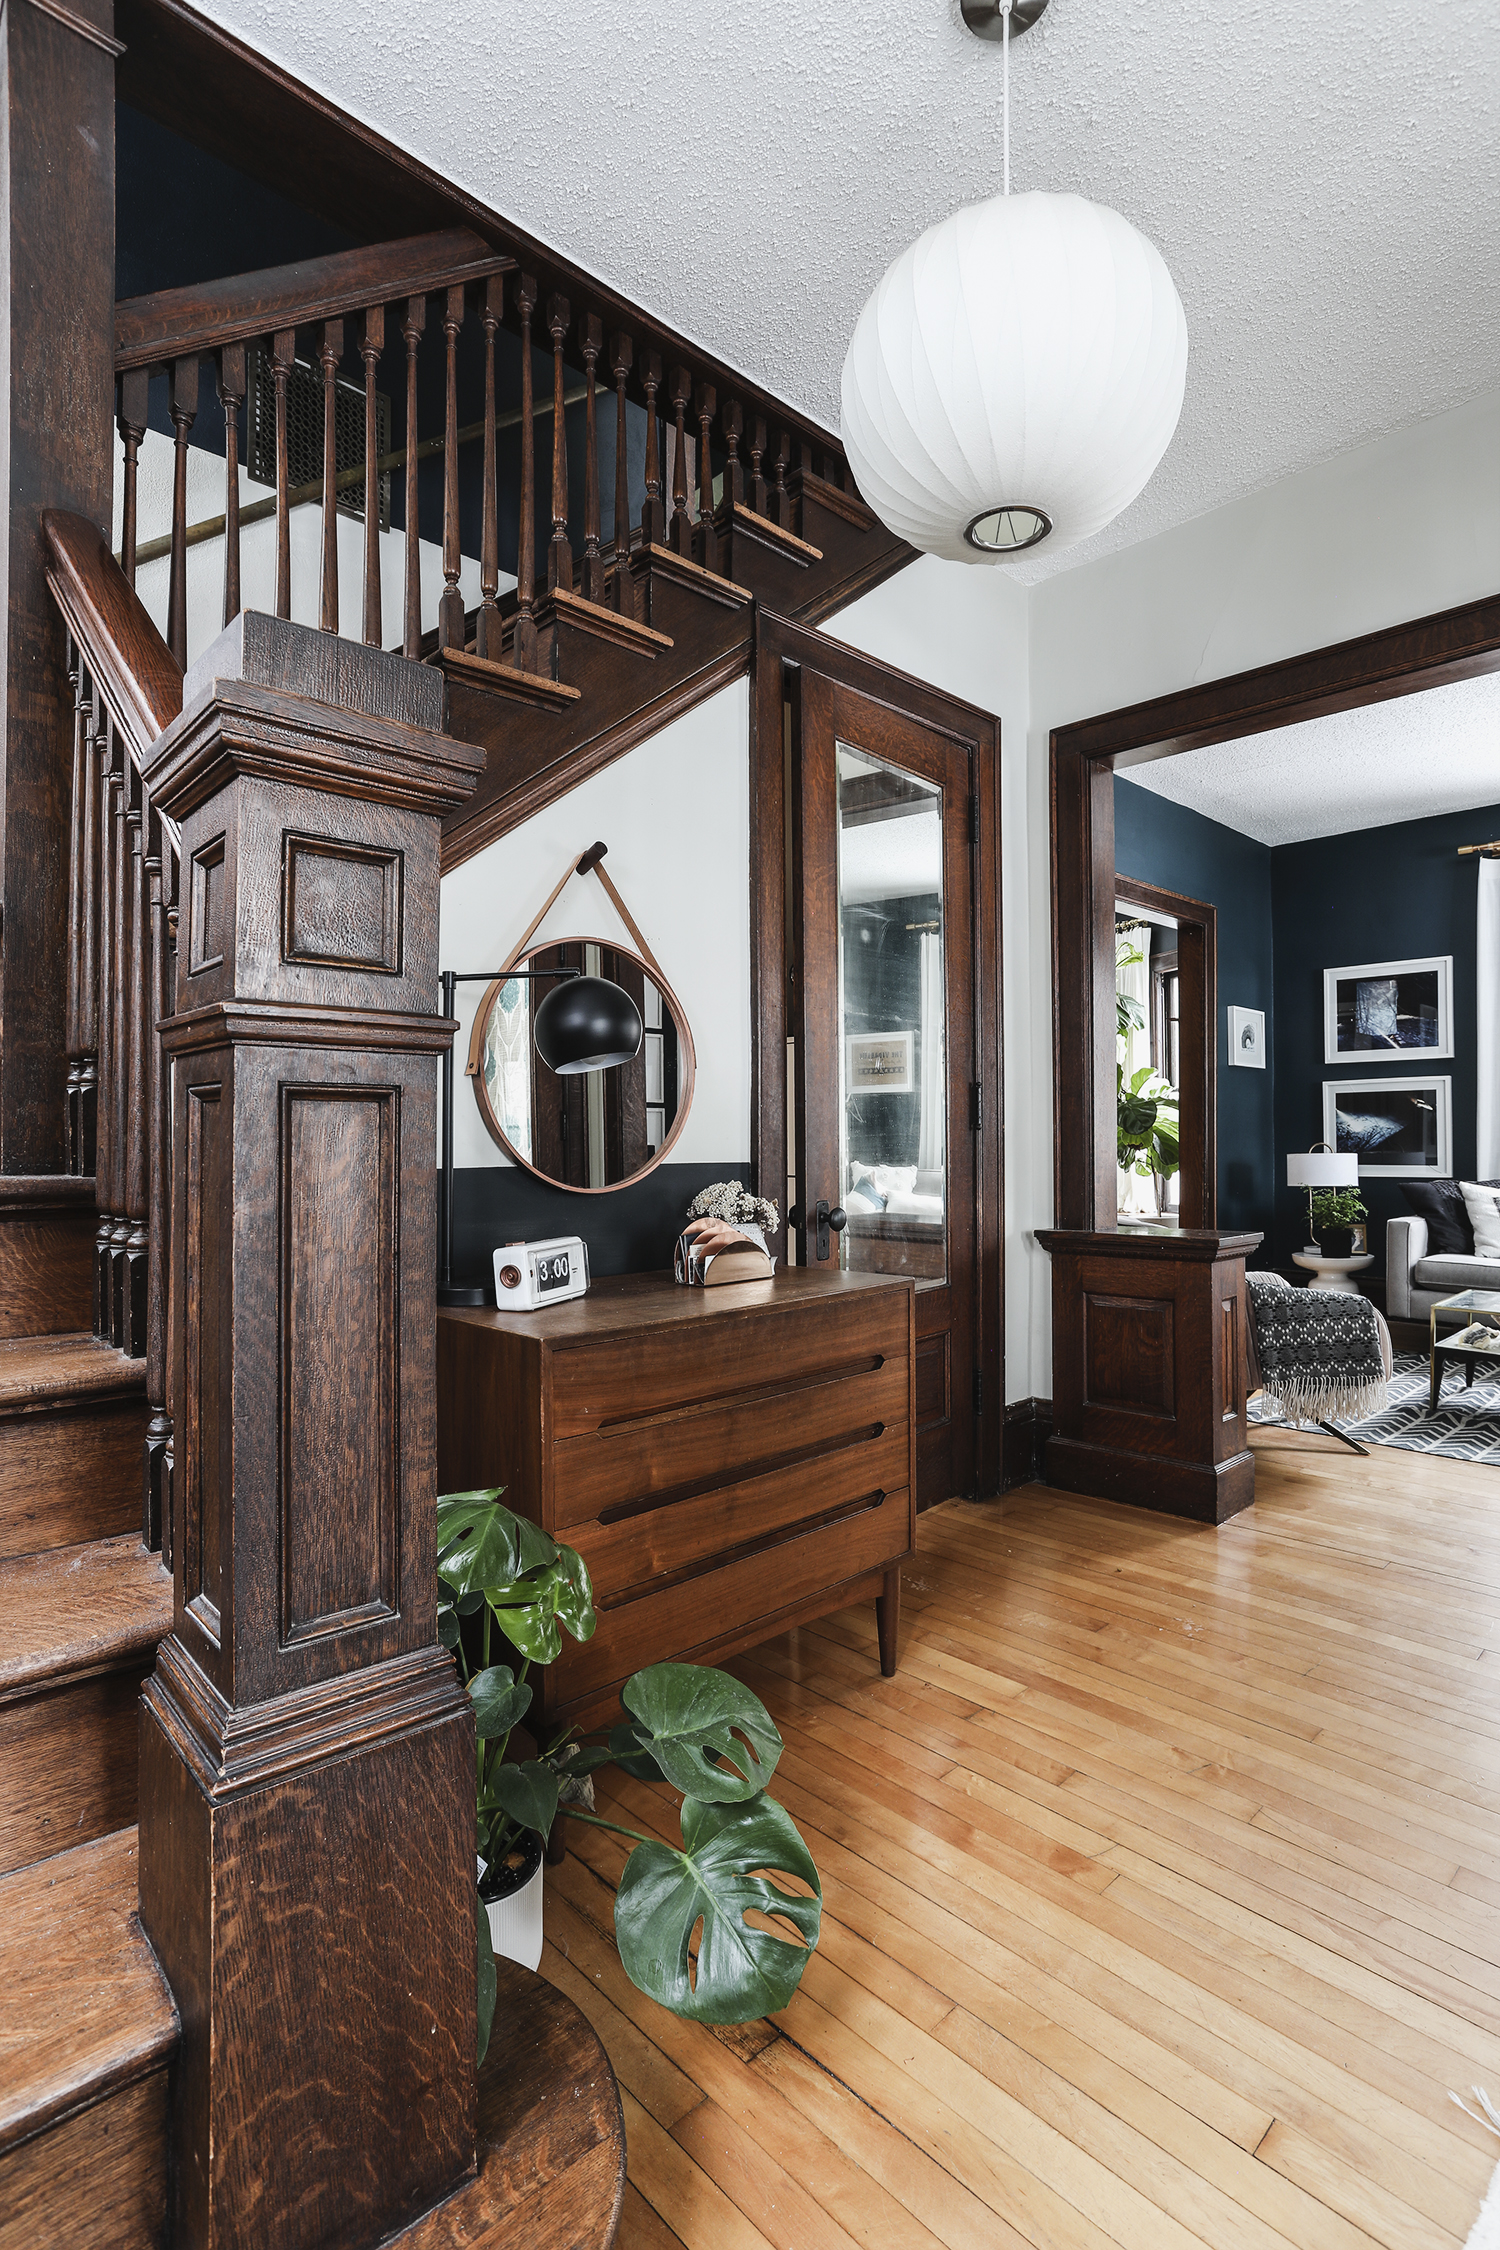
(1414, 1283)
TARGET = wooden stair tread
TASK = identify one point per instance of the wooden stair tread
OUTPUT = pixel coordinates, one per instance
(40, 1371)
(551, 2138)
(504, 679)
(87, 2009)
(72, 1610)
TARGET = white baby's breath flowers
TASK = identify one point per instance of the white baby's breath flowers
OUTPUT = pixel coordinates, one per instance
(731, 1201)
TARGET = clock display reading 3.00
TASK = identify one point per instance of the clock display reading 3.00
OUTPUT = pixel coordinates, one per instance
(554, 1272)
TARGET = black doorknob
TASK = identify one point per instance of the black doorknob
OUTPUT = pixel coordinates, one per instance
(827, 1219)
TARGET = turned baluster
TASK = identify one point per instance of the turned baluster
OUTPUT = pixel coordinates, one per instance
(487, 626)
(135, 394)
(82, 776)
(183, 401)
(781, 499)
(330, 352)
(622, 594)
(139, 1029)
(680, 529)
(371, 345)
(156, 1516)
(283, 356)
(232, 398)
(411, 328)
(755, 496)
(559, 553)
(451, 606)
(523, 642)
(732, 423)
(127, 821)
(653, 511)
(86, 1098)
(591, 339)
(708, 538)
(168, 1390)
(108, 749)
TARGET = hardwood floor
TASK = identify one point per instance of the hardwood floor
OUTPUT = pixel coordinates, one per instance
(1162, 1891)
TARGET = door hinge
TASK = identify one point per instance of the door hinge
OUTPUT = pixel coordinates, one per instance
(978, 1392)
(976, 1106)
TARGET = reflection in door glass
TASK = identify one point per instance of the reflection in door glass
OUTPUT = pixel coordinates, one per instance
(893, 1078)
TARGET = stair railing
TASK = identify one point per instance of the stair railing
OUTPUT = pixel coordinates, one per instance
(346, 305)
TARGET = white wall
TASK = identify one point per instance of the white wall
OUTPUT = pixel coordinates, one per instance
(1398, 529)
(675, 813)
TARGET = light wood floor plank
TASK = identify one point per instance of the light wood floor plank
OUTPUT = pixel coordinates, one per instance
(1161, 1891)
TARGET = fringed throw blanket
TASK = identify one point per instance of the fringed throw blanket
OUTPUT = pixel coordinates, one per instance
(1319, 1352)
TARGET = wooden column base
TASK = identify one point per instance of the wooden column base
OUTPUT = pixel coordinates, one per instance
(1204, 1492)
(551, 2173)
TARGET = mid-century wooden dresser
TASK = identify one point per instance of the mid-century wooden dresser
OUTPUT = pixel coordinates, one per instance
(728, 1462)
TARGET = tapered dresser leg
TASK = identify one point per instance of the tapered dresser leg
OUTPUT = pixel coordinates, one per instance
(888, 1622)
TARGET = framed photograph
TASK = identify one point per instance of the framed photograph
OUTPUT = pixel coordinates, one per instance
(1389, 1008)
(880, 1062)
(1247, 1038)
(1399, 1128)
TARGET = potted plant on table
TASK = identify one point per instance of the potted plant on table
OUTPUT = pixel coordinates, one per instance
(1146, 1113)
(695, 1728)
(1339, 1217)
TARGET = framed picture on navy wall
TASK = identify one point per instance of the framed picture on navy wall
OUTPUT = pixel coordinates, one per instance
(1389, 1008)
(1399, 1128)
(1247, 1038)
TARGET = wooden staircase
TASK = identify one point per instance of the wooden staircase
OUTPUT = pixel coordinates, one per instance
(89, 2027)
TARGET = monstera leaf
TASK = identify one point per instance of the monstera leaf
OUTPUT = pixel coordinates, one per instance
(499, 1701)
(482, 1545)
(528, 1793)
(742, 1972)
(487, 1979)
(690, 1719)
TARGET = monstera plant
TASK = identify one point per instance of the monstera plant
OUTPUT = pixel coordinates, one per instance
(696, 1729)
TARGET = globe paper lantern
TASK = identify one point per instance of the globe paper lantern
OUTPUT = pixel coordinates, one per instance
(1016, 376)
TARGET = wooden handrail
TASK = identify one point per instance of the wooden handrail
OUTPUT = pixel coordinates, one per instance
(240, 308)
(135, 670)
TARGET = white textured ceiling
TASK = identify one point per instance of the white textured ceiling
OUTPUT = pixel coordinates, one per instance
(1322, 177)
(1417, 755)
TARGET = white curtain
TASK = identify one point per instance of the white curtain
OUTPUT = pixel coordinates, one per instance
(932, 1142)
(1137, 1197)
(1488, 1160)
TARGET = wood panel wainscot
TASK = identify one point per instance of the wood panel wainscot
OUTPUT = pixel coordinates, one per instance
(727, 1461)
(1148, 1343)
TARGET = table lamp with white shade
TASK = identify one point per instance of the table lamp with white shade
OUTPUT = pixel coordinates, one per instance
(1320, 1167)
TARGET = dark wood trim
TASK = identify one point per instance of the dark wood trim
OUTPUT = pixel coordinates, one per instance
(1198, 1074)
(466, 837)
(218, 92)
(1433, 651)
(137, 674)
(239, 308)
(782, 648)
(1028, 1426)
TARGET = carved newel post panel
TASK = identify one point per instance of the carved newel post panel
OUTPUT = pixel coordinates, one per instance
(307, 1856)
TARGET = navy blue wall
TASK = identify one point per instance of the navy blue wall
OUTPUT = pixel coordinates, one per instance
(1179, 850)
(1377, 894)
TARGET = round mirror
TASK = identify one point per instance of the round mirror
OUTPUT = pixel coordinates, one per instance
(589, 1130)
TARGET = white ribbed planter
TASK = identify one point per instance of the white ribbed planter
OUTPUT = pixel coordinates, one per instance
(516, 1922)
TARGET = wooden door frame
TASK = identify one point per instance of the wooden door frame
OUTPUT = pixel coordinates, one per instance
(781, 649)
(1198, 1034)
(1456, 644)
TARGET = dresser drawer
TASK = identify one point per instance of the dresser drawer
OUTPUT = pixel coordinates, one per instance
(721, 1356)
(714, 1606)
(721, 1440)
(643, 1541)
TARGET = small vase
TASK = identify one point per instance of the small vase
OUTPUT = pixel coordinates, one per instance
(516, 1918)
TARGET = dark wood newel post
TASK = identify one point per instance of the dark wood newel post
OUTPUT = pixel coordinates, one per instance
(306, 1813)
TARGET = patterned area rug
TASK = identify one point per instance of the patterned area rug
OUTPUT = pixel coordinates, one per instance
(1466, 1425)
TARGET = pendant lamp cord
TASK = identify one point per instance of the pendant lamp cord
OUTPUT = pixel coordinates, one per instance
(1005, 8)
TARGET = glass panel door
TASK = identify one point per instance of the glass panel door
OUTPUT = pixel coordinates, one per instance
(892, 1048)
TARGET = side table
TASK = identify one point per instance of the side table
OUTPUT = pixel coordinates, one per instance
(1333, 1274)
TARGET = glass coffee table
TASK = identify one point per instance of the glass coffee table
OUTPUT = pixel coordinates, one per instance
(1475, 1313)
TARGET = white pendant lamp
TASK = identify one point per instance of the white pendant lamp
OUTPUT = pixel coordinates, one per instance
(1016, 376)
